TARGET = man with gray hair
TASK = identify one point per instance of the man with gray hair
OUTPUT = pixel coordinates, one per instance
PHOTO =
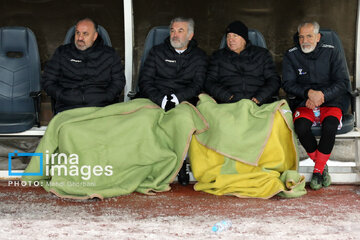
(175, 70)
(315, 73)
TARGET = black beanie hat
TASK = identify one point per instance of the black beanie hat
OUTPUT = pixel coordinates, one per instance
(239, 28)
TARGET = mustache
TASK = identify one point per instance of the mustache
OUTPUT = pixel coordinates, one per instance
(306, 44)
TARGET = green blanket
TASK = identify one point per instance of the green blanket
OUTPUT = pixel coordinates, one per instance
(115, 150)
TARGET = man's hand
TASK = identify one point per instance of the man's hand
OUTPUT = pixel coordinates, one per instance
(310, 104)
(316, 97)
(169, 102)
(255, 100)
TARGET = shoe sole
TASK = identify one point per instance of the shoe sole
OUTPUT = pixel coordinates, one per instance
(329, 182)
(318, 187)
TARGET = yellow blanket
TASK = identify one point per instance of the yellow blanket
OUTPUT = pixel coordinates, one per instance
(245, 173)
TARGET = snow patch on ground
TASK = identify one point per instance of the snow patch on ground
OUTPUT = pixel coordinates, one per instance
(35, 216)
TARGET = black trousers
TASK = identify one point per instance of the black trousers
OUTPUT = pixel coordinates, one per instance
(308, 140)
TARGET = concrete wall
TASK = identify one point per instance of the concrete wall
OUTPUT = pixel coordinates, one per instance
(276, 19)
(50, 19)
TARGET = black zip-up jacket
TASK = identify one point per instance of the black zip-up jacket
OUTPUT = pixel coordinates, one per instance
(93, 77)
(322, 69)
(167, 72)
(246, 75)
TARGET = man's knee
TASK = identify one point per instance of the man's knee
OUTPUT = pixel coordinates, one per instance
(302, 126)
(330, 125)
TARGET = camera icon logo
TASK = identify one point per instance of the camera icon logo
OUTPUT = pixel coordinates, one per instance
(16, 154)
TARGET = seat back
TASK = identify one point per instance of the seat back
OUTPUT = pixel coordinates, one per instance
(19, 70)
(255, 37)
(101, 30)
(155, 37)
(331, 37)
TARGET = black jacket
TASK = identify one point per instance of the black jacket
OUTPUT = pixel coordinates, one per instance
(93, 77)
(246, 75)
(323, 69)
(167, 72)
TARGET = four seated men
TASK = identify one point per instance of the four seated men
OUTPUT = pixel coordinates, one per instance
(87, 73)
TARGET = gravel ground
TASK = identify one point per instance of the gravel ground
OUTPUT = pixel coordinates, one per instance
(182, 213)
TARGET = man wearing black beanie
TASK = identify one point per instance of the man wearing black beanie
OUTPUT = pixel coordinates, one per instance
(239, 28)
(241, 70)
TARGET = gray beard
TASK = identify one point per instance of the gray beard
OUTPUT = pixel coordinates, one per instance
(178, 45)
(307, 50)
